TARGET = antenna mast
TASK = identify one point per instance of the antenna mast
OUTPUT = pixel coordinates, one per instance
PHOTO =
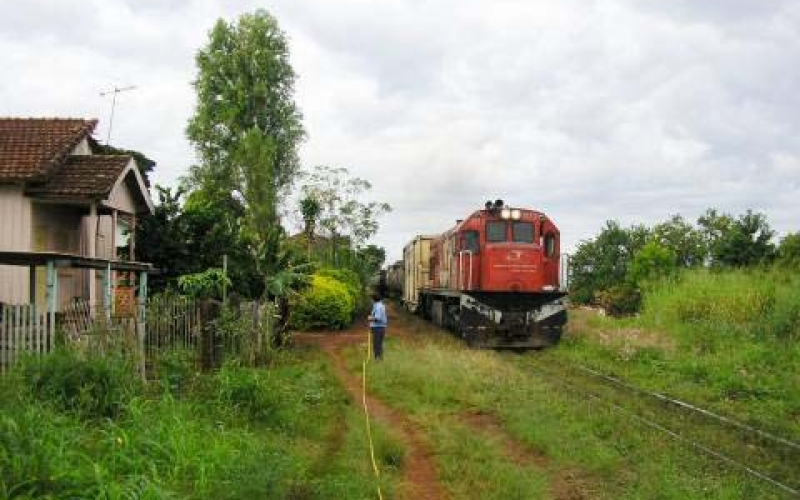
(116, 90)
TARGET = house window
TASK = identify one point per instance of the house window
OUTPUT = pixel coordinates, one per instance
(495, 231)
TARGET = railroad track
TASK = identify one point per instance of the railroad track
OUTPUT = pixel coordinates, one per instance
(761, 454)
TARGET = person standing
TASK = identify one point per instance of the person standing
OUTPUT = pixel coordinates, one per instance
(377, 324)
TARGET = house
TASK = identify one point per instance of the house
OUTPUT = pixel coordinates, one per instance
(60, 196)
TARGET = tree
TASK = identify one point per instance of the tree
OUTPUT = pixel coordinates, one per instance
(789, 250)
(651, 262)
(603, 262)
(684, 240)
(244, 84)
(737, 242)
(246, 128)
(310, 209)
(341, 211)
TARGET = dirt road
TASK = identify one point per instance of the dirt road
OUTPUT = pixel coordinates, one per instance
(420, 479)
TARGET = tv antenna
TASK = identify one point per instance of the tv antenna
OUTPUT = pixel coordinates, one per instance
(114, 92)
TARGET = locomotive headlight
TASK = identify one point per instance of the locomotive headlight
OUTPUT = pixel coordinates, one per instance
(516, 214)
(505, 213)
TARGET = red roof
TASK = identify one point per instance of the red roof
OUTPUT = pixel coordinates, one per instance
(84, 177)
(31, 147)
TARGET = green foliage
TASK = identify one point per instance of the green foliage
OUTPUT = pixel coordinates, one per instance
(92, 387)
(619, 300)
(349, 278)
(244, 86)
(789, 251)
(734, 301)
(208, 284)
(341, 211)
(603, 262)
(684, 240)
(327, 304)
(740, 242)
(651, 262)
(239, 433)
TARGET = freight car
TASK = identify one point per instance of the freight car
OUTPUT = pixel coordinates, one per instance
(493, 278)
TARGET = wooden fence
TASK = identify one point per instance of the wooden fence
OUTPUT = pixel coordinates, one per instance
(23, 329)
(170, 323)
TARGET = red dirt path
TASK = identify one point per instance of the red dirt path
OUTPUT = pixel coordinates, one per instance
(420, 479)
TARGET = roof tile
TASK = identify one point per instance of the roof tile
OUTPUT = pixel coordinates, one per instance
(31, 147)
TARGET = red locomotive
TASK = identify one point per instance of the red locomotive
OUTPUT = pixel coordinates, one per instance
(494, 278)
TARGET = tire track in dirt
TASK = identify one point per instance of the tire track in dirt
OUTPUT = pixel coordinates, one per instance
(565, 484)
(420, 479)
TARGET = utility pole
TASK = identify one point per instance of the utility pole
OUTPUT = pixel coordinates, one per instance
(116, 90)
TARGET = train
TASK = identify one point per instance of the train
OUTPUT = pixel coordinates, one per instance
(494, 279)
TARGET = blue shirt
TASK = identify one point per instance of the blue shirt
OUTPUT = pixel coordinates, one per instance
(378, 315)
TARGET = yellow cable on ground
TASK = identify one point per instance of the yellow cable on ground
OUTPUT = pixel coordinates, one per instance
(366, 412)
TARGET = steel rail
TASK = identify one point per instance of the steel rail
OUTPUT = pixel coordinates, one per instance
(689, 406)
(677, 436)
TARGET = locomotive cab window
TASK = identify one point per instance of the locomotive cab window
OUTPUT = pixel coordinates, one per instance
(495, 231)
(470, 241)
(522, 232)
(549, 244)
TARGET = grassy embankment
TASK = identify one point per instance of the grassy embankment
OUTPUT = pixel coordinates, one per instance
(728, 341)
(579, 448)
(72, 429)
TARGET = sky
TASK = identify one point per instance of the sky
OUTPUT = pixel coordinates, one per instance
(627, 110)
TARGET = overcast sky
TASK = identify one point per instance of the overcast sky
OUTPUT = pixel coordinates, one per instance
(587, 110)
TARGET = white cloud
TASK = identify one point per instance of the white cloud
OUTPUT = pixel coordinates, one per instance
(623, 109)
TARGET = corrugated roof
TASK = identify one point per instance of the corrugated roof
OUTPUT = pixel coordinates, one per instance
(31, 147)
(84, 177)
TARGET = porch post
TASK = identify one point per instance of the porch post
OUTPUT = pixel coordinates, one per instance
(107, 291)
(92, 252)
(142, 323)
(52, 292)
(32, 285)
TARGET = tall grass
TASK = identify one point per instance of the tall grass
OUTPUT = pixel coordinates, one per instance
(763, 303)
(729, 340)
(578, 448)
(237, 433)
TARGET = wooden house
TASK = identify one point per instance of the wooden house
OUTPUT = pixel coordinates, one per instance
(59, 195)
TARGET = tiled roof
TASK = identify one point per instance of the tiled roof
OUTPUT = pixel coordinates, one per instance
(31, 147)
(84, 177)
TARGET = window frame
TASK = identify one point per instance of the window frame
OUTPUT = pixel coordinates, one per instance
(465, 235)
(505, 231)
(529, 224)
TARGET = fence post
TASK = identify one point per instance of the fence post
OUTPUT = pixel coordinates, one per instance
(209, 311)
(141, 323)
(52, 297)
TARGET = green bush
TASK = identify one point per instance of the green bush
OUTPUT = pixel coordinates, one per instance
(327, 304)
(619, 300)
(91, 386)
(349, 278)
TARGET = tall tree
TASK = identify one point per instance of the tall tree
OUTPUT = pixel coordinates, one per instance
(247, 127)
(342, 211)
(737, 242)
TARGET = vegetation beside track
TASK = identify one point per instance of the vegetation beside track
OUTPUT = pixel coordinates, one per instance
(579, 448)
(284, 432)
(728, 341)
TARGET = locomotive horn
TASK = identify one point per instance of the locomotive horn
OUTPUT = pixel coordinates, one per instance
(488, 205)
(498, 203)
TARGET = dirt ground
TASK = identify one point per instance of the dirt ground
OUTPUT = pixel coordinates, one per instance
(420, 478)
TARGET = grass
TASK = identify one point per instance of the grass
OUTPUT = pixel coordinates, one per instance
(584, 449)
(287, 431)
(729, 341)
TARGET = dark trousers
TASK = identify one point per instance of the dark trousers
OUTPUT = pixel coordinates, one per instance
(378, 333)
